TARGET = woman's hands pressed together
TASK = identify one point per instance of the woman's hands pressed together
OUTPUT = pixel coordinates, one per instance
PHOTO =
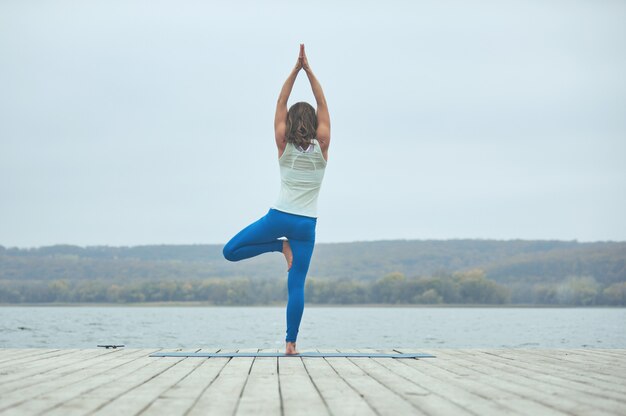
(302, 62)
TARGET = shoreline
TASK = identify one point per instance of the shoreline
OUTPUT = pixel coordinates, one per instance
(308, 305)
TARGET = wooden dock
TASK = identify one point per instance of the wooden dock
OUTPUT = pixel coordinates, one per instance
(481, 382)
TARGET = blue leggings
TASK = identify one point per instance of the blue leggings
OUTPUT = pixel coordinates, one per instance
(262, 236)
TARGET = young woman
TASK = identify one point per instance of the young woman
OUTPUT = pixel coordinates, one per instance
(302, 138)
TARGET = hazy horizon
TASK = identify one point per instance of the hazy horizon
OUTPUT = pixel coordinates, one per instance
(127, 123)
(319, 242)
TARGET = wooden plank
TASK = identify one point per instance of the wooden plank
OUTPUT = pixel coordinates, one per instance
(99, 374)
(115, 384)
(298, 391)
(490, 385)
(410, 383)
(533, 389)
(602, 400)
(20, 359)
(379, 397)
(222, 395)
(42, 366)
(8, 354)
(583, 384)
(588, 379)
(391, 380)
(580, 357)
(72, 373)
(261, 393)
(581, 372)
(478, 395)
(599, 365)
(21, 374)
(340, 398)
(618, 353)
(144, 391)
(34, 357)
(181, 397)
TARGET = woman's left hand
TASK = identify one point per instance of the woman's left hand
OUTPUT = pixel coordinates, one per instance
(299, 62)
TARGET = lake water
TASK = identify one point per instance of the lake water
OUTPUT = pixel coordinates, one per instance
(321, 327)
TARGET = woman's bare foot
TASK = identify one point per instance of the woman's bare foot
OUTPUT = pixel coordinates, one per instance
(290, 349)
(288, 254)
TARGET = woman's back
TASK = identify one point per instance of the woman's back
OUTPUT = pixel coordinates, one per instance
(301, 176)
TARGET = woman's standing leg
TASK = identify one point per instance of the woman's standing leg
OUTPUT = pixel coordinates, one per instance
(302, 250)
(257, 238)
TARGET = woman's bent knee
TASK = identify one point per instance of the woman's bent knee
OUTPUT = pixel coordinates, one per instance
(228, 253)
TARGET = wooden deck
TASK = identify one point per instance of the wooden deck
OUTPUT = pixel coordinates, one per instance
(458, 382)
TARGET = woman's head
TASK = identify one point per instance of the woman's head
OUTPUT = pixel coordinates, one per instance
(301, 124)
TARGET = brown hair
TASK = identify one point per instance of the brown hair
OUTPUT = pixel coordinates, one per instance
(301, 124)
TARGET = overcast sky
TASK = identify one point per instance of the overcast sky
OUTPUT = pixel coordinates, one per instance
(151, 122)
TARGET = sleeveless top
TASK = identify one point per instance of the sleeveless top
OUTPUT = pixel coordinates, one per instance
(301, 175)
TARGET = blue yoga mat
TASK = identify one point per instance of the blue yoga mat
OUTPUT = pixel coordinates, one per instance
(302, 354)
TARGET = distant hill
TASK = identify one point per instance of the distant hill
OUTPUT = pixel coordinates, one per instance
(393, 271)
(502, 260)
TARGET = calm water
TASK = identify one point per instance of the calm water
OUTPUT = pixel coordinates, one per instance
(321, 327)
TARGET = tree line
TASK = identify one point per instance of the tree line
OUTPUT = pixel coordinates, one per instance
(468, 287)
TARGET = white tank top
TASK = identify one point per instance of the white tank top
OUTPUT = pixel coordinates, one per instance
(301, 175)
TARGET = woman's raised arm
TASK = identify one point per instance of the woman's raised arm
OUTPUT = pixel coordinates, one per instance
(323, 116)
(280, 118)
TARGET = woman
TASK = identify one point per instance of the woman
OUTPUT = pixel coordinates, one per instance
(302, 138)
